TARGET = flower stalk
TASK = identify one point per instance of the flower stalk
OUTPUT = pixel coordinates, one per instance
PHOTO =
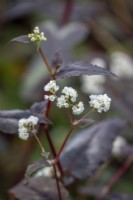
(46, 62)
(40, 144)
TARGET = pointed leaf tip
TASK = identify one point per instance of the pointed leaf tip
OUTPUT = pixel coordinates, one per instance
(22, 38)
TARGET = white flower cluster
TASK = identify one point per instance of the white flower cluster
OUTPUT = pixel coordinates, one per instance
(52, 88)
(62, 102)
(66, 100)
(36, 36)
(26, 126)
(69, 97)
(70, 93)
(100, 102)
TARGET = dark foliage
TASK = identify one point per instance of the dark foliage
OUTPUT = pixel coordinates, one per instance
(79, 68)
(40, 188)
(57, 60)
(22, 38)
(9, 119)
(36, 166)
(119, 196)
(90, 148)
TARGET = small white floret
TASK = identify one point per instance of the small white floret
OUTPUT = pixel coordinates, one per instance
(23, 134)
(49, 97)
(62, 102)
(33, 120)
(51, 87)
(36, 30)
(70, 93)
(100, 102)
(22, 122)
(25, 126)
(78, 109)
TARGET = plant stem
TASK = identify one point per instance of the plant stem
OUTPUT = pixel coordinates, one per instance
(53, 150)
(45, 61)
(48, 108)
(115, 178)
(40, 144)
(57, 183)
(78, 121)
(68, 134)
(51, 144)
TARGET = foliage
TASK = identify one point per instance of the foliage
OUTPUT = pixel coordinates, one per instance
(83, 167)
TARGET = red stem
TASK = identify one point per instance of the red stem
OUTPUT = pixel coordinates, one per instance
(58, 155)
(48, 108)
(57, 183)
(45, 61)
(115, 178)
(67, 11)
(53, 151)
(50, 140)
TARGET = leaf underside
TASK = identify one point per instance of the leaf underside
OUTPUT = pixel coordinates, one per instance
(22, 39)
(39, 188)
(79, 68)
(90, 148)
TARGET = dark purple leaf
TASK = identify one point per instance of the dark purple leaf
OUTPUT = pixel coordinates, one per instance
(22, 38)
(126, 150)
(16, 114)
(57, 60)
(39, 107)
(39, 188)
(8, 125)
(92, 191)
(52, 10)
(90, 148)
(36, 166)
(9, 118)
(79, 68)
(119, 196)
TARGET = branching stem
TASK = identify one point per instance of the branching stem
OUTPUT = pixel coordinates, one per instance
(53, 150)
(62, 147)
(78, 121)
